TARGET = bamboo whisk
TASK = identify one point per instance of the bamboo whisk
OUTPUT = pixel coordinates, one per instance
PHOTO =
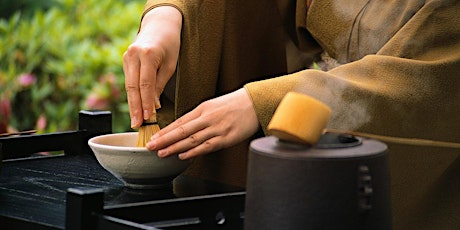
(147, 129)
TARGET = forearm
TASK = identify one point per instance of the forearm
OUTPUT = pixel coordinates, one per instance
(169, 17)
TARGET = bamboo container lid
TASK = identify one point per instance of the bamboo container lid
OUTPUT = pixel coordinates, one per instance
(299, 118)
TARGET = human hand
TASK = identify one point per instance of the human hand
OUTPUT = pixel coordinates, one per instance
(213, 125)
(150, 61)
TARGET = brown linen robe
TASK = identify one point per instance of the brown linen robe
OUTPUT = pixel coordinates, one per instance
(397, 74)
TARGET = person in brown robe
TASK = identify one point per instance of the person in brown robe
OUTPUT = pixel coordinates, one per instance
(387, 67)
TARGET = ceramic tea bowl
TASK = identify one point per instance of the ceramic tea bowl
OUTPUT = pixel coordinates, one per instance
(136, 167)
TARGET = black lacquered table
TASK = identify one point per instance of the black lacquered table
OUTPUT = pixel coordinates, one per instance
(33, 191)
(72, 191)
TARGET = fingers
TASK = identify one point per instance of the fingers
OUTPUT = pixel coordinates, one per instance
(201, 142)
(176, 131)
(191, 135)
(147, 81)
(183, 136)
(213, 125)
(146, 75)
(194, 145)
(131, 71)
(140, 67)
(150, 60)
(206, 147)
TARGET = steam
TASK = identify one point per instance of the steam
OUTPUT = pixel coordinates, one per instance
(350, 117)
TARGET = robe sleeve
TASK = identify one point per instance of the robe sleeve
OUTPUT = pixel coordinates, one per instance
(409, 88)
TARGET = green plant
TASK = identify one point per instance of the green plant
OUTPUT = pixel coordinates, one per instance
(9, 7)
(57, 62)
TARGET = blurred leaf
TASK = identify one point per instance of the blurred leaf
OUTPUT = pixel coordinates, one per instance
(67, 45)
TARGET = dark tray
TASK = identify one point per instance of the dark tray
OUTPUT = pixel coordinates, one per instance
(33, 191)
(72, 191)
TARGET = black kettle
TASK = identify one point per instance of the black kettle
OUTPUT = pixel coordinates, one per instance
(342, 182)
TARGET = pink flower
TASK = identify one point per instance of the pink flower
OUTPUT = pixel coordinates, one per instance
(41, 122)
(26, 80)
(108, 78)
(111, 81)
(93, 101)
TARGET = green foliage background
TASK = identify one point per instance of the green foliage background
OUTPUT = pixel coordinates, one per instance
(73, 52)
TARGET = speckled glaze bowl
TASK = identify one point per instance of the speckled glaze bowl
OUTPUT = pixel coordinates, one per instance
(137, 167)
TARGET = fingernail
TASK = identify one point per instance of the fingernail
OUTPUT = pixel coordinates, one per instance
(157, 103)
(182, 156)
(161, 153)
(146, 114)
(133, 122)
(151, 145)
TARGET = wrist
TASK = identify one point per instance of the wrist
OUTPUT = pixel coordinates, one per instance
(169, 14)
